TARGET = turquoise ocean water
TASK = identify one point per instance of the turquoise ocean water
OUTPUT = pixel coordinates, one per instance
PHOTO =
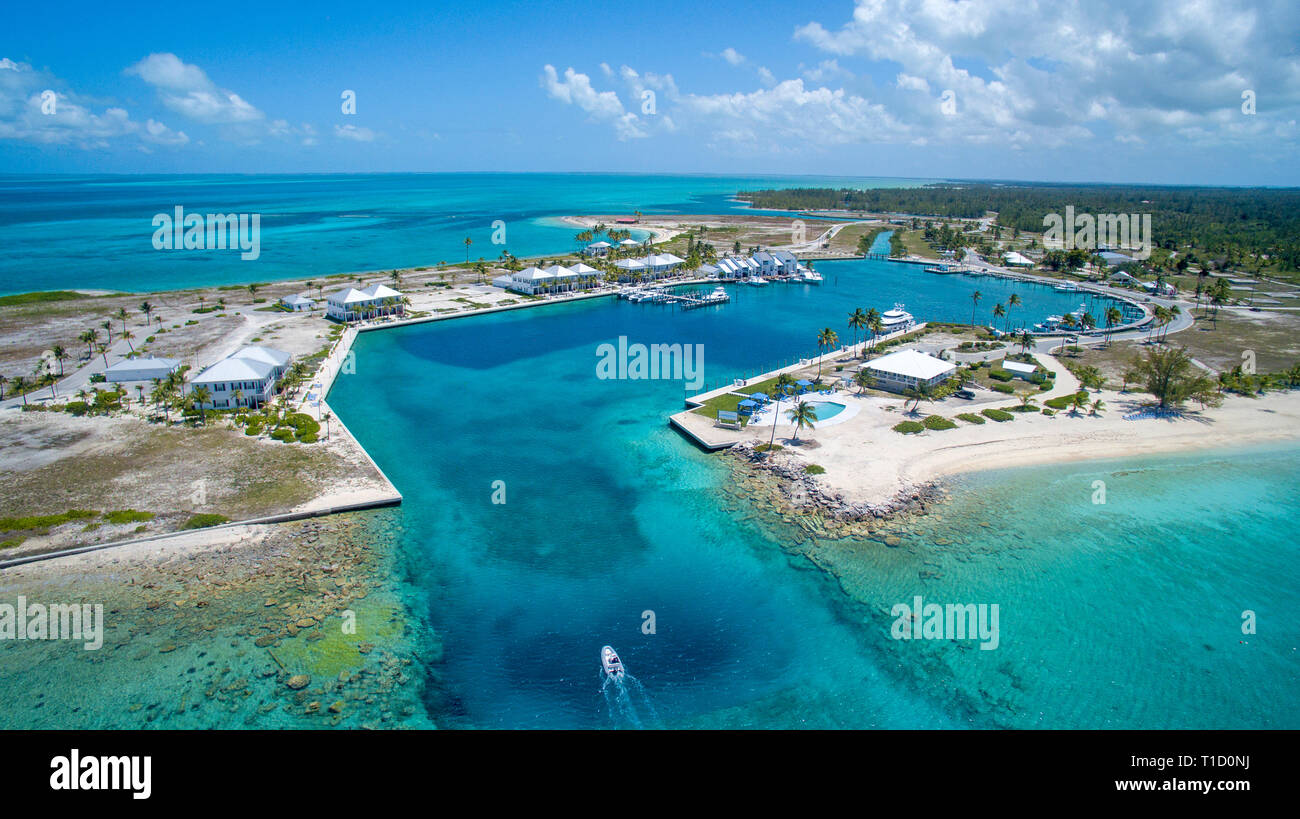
(1123, 614)
(97, 231)
(1119, 615)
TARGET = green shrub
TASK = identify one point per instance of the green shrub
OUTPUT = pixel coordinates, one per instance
(970, 418)
(1063, 401)
(202, 520)
(938, 422)
(253, 428)
(1001, 374)
(1007, 388)
(284, 435)
(128, 516)
(1048, 413)
(768, 448)
(997, 415)
(45, 521)
(814, 469)
(909, 427)
(77, 408)
(1046, 385)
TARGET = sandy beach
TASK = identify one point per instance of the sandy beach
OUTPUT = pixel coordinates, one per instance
(867, 463)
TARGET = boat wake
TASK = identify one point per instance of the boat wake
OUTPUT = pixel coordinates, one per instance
(627, 703)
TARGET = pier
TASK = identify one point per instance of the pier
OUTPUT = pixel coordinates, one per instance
(684, 300)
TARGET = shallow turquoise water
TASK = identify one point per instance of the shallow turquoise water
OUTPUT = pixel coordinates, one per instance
(96, 231)
(1126, 614)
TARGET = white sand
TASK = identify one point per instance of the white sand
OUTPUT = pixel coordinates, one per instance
(869, 462)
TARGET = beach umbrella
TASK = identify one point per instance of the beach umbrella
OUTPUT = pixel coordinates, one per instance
(748, 403)
(759, 396)
(803, 382)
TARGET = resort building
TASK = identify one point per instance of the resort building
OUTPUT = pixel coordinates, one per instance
(246, 378)
(766, 263)
(909, 369)
(554, 279)
(599, 248)
(1014, 258)
(786, 263)
(298, 303)
(1020, 370)
(140, 369)
(350, 304)
(629, 269)
(663, 264)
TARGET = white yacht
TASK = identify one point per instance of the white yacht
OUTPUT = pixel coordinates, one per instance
(896, 319)
(811, 277)
(611, 664)
(757, 281)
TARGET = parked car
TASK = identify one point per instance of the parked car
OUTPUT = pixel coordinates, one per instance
(965, 393)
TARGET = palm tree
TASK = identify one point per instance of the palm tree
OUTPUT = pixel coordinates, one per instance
(1078, 402)
(1028, 401)
(122, 314)
(1097, 407)
(876, 325)
(128, 335)
(468, 242)
(103, 351)
(146, 308)
(200, 396)
(827, 338)
(998, 312)
(1013, 301)
(802, 414)
(4, 379)
(252, 290)
(326, 418)
(863, 380)
(975, 300)
(783, 383)
(20, 387)
(108, 328)
(60, 355)
(88, 338)
(1026, 341)
(1113, 317)
(857, 321)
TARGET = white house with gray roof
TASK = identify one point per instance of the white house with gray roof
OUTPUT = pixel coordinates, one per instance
(247, 377)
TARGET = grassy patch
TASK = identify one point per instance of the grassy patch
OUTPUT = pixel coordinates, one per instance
(938, 422)
(909, 427)
(768, 448)
(41, 297)
(43, 522)
(970, 418)
(997, 415)
(1000, 387)
(814, 469)
(203, 520)
(1064, 401)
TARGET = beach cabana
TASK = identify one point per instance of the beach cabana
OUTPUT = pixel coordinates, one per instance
(803, 384)
(747, 406)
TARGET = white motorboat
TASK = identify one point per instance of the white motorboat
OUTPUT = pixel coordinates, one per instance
(611, 664)
(896, 319)
(757, 281)
(812, 277)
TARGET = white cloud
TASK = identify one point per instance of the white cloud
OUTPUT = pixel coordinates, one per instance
(603, 106)
(36, 107)
(186, 89)
(732, 56)
(353, 133)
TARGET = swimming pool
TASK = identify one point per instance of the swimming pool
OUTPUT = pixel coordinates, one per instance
(827, 410)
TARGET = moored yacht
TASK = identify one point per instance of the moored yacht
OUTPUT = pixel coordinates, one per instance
(896, 319)
(757, 281)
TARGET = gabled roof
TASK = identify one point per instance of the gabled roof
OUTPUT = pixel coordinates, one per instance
(531, 274)
(380, 291)
(146, 363)
(583, 269)
(298, 298)
(630, 264)
(560, 272)
(598, 244)
(627, 242)
(911, 363)
(348, 295)
(277, 358)
(235, 369)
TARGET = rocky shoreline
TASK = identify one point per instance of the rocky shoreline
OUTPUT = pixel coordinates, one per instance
(802, 493)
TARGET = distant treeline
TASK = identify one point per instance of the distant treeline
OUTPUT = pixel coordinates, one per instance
(1228, 222)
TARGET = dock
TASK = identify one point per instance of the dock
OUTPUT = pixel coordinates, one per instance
(684, 300)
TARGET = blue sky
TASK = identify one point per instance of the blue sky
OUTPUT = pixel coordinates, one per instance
(1139, 90)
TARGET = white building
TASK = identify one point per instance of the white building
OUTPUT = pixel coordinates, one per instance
(298, 302)
(909, 369)
(140, 369)
(1020, 370)
(599, 248)
(1015, 258)
(246, 378)
(786, 263)
(350, 304)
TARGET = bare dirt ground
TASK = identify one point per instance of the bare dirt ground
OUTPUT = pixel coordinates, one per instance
(51, 463)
